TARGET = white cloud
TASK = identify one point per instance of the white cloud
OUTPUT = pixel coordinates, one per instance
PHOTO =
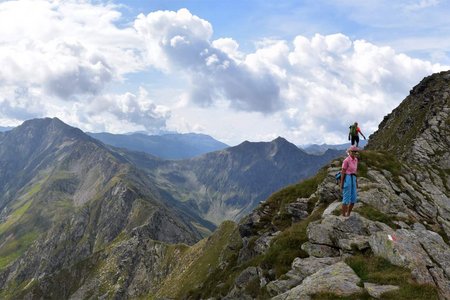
(64, 58)
(139, 112)
(180, 42)
(56, 56)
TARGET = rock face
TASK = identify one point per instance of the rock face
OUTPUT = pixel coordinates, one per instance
(420, 125)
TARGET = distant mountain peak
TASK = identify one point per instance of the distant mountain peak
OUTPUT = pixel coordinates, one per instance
(281, 140)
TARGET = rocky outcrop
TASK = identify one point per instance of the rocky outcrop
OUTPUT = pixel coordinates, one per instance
(420, 125)
(338, 279)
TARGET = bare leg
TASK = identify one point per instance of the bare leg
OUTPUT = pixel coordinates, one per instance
(350, 207)
(344, 210)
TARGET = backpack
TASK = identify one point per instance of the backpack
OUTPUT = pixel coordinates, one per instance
(353, 130)
(337, 176)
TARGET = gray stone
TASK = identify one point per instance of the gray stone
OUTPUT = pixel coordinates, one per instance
(442, 282)
(357, 242)
(304, 267)
(318, 250)
(298, 209)
(401, 224)
(338, 279)
(277, 287)
(384, 200)
(331, 208)
(402, 248)
(247, 275)
(376, 290)
(332, 228)
(435, 247)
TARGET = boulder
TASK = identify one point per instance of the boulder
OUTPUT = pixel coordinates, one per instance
(338, 279)
(318, 250)
(376, 291)
(402, 248)
(301, 268)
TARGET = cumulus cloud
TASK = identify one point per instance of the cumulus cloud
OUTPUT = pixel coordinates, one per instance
(140, 111)
(65, 58)
(317, 85)
(58, 56)
(67, 48)
(180, 41)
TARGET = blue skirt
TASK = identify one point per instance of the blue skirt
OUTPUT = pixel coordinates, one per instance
(349, 193)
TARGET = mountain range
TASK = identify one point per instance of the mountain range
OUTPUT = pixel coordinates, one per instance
(84, 220)
(320, 149)
(65, 196)
(167, 146)
(228, 184)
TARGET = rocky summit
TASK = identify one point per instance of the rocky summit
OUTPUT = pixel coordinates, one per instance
(294, 245)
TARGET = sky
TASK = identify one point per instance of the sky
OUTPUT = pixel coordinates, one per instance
(233, 69)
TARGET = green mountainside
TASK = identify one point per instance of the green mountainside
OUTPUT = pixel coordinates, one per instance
(229, 184)
(65, 196)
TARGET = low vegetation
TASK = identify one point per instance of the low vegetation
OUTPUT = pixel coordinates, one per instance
(377, 270)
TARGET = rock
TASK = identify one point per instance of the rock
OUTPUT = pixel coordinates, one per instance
(247, 276)
(332, 228)
(318, 250)
(442, 283)
(328, 191)
(304, 267)
(331, 208)
(338, 279)
(298, 209)
(358, 242)
(402, 248)
(401, 224)
(383, 199)
(258, 246)
(280, 286)
(376, 291)
(435, 247)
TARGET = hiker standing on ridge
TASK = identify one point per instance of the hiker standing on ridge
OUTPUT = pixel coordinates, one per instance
(353, 135)
(349, 184)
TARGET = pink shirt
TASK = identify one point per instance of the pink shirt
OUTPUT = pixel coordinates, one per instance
(350, 165)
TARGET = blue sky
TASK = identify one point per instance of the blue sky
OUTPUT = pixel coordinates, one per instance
(236, 70)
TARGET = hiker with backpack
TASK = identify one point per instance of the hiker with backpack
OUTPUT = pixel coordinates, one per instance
(353, 135)
(348, 184)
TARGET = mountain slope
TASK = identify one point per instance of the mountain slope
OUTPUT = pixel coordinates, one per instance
(65, 196)
(167, 146)
(228, 184)
(396, 243)
(418, 130)
(295, 245)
